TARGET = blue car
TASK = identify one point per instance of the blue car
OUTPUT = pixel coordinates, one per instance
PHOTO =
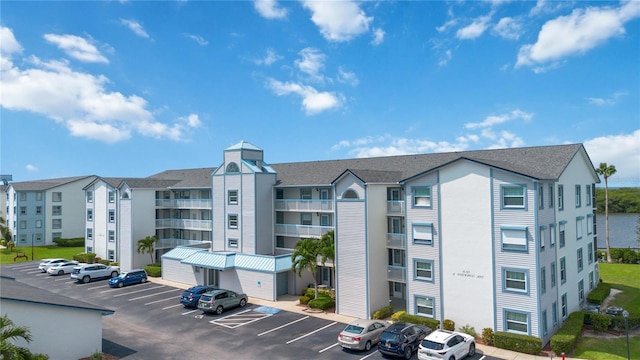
(136, 276)
(191, 296)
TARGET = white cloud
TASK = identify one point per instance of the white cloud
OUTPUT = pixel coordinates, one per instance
(269, 9)
(81, 102)
(577, 33)
(313, 101)
(8, 43)
(475, 29)
(77, 47)
(347, 77)
(447, 25)
(311, 63)
(136, 27)
(611, 100)
(338, 20)
(198, 39)
(270, 57)
(508, 28)
(31, 168)
(621, 151)
(445, 58)
(378, 37)
(492, 120)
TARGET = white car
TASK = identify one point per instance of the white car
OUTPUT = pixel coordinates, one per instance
(446, 345)
(88, 272)
(46, 263)
(62, 268)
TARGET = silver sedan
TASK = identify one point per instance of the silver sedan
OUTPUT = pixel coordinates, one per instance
(362, 334)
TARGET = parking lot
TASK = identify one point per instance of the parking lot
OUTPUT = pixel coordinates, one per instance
(150, 323)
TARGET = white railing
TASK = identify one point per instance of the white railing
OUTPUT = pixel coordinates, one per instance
(184, 224)
(396, 273)
(184, 203)
(395, 207)
(302, 230)
(173, 243)
(395, 240)
(304, 205)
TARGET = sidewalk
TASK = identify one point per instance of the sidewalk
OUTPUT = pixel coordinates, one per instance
(290, 303)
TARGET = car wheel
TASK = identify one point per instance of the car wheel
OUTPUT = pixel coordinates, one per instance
(143, 280)
(243, 302)
(367, 346)
(408, 352)
(472, 349)
(219, 310)
(86, 279)
(452, 358)
(120, 284)
(61, 272)
(114, 274)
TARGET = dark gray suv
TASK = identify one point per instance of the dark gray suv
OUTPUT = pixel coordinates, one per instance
(402, 339)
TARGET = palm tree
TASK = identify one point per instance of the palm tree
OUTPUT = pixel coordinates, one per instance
(147, 245)
(606, 171)
(9, 333)
(327, 249)
(305, 256)
(5, 232)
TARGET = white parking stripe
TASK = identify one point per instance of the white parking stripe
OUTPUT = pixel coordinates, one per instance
(328, 347)
(101, 286)
(285, 325)
(110, 289)
(157, 301)
(311, 333)
(137, 291)
(188, 312)
(146, 296)
(239, 319)
(61, 278)
(172, 306)
(368, 356)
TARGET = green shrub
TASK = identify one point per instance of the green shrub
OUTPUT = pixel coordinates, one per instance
(97, 356)
(383, 313)
(565, 339)
(516, 342)
(449, 325)
(304, 300)
(488, 336)
(3, 242)
(114, 263)
(153, 270)
(310, 293)
(323, 302)
(469, 330)
(88, 258)
(397, 315)
(600, 322)
(75, 242)
(420, 320)
(601, 292)
(104, 261)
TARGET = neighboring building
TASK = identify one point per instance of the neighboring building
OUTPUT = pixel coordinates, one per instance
(40, 211)
(64, 328)
(101, 228)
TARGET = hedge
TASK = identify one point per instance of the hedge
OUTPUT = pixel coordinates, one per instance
(597, 295)
(75, 242)
(383, 313)
(322, 302)
(153, 270)
(88, 258)
(517, 342)
(420, 320)
(565, 339)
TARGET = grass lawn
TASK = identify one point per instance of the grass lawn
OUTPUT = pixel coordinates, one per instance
(39, 252)
(624, 277)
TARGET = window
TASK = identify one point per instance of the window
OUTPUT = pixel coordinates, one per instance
(543, 229)
(56, 210)
(280, 241)
(514, 238)
(89, 196)
(89, 215)
(23, 224)
(112, 236)
(325, 220)
(424, 306)
(579, 257)
(581, 291)
(589, 224)
(543, 280)
(39, 210)
(23, 196)
(112, 196)
(422, 196)
(554, 313)
(515, 280)
(561, 229)
(279, 194)
(23, 210)
(38, 224)
(305, 193)
(39, 196)
(350, 194)
(111, 254)
(560, 197)
(516, 321)
(423, 234)
(563, 270)
(551, 196)
(513, 197)
(544, 322)
(553, 274)
(23, 239)
(233, 221)
(423, 270)
(541, 197)
(89, 234)
(590, 253)
(552, 235)
(579, 227)
(233, 243)
(56, 223)
(279, 217)
(56, 235)
(591, 283)
(305, 219)
(38, 238)
(578, 196)
(563, 300)
(89, 249)
(56, 196)
(232, 168)
(587, 192)
(112, 216)
(232, 197)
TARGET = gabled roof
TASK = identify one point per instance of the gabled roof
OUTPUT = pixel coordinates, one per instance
(13, 290)
(541, 162)
(41, 185)
(187, 178)
(111, 181)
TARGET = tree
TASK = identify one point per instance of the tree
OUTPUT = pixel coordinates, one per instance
(606, 171)
(305, 256)
(5, 232)
(147, 245)
(9, 333)
(327, 249)
(638, 231)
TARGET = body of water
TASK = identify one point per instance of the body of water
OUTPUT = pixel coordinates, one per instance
(622, 231)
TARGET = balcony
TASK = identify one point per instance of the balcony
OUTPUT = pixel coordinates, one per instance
(184, 203)
(302, 230)
(173, 243)
(395, 207)
(396, 273)
(184, 224)
(395, 241)
(304, 205)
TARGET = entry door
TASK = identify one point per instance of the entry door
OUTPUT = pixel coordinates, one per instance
(326, 276)
(397, 258)
(211, 277)
(398, 291)
(324, 195)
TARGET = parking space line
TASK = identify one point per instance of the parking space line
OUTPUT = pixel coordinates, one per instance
(328, 347)
(146, 296)
(62, 278)
(311, 333)
(137, 291)
(239, 319)
(172, 306)
(282, 326)
(188, 312)
(157, 301)
(110, 289)
(368, 356)
(96, 287)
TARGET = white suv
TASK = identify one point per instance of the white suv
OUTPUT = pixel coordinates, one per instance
(447, 345)
(88, 272)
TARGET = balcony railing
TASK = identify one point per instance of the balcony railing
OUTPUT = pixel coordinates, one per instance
(395, 240)
(396, 273)
(395, 207)
(184, 224)
(173, 243)
(184, 203)
(304, 205)
(302, 230)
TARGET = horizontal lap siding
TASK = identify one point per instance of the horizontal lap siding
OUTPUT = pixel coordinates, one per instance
(351, 259)
(173, 270)
(257, 284)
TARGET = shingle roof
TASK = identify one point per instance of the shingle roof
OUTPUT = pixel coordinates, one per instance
(187, 178)
(13, 290)
(40, 185)
(541, 162)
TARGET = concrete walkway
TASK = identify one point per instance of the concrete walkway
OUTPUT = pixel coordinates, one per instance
(290, 303)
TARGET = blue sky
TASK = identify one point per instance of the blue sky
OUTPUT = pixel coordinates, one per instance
(133, 88)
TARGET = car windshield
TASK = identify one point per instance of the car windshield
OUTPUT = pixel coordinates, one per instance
(123, 275)
(205, 298)
(389, 336)
(354, 329)
(432, 345)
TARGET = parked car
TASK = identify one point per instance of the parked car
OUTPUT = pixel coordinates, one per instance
(135, 276)
(62, 268)
(219, 300)
(614, 311)
(402, 339)
(362, 334)
(87, 272)
(46, 263)
(191, 296)
(444, 344)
